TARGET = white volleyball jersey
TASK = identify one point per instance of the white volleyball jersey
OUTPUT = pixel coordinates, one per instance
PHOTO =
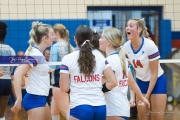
(85, 90)
(140, 59)
(116, 100)
(6, 50)
(38, 76)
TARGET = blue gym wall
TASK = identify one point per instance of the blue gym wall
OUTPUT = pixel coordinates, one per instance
(165, 41)
(18, 31)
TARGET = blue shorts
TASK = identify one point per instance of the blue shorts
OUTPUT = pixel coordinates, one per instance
(159, 88)
(87, 112)
(5, 87)
(31, 101)
(125, 118)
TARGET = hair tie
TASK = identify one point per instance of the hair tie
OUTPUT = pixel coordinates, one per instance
(142, 19)
(39, 23)
(119, 47)
(85, 42)
(95, 30)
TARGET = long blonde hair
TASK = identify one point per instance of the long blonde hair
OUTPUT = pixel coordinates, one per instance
(142, 24)
(64, 33)
(37, 32)
(115, 36)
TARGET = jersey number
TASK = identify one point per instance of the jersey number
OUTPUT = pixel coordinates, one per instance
(137, 63)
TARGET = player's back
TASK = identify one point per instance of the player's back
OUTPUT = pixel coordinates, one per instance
(85, 89)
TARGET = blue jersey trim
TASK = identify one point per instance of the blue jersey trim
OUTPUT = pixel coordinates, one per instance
(154, 55)
(32, 60)
(114, 53)
(135, 52)
(38, 49)
(64, 67)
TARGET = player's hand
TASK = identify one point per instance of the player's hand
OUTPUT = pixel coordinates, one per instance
(147, 96)
(1, 73)
(132, 102)
(17, 106)
(143, 102)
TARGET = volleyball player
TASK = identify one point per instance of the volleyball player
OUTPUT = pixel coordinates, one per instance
(5, 79)
(144, 56)
(81, 73)
(95, 41)
(118, 107)
(60, 100)
(34, 102)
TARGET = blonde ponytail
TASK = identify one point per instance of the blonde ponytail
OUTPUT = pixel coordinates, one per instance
(31, 43)
(68, 40)
(142, 24)
(145, 33)
(115, 36)
(123, 60)
(37, 32)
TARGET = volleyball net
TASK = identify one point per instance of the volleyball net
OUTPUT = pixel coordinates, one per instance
(171, 69)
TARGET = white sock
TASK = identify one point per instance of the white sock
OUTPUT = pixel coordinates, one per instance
(3, 118)
(55, 117)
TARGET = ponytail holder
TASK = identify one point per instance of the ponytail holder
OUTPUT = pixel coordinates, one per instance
(39, 23)
(142, 19)
(119, 47)
(95, 30)
(85, 42)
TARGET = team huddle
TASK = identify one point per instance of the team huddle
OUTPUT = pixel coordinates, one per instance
(93, 79)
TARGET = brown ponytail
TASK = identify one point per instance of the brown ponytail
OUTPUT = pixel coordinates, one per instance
(86, 59)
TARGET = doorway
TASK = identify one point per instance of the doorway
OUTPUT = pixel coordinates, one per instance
(102, 18)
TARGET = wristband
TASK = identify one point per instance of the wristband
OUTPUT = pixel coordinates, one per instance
(104, 89)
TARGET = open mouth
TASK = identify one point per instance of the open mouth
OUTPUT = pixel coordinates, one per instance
(128, 33)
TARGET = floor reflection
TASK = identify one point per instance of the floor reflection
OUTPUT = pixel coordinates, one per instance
(172, 113)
